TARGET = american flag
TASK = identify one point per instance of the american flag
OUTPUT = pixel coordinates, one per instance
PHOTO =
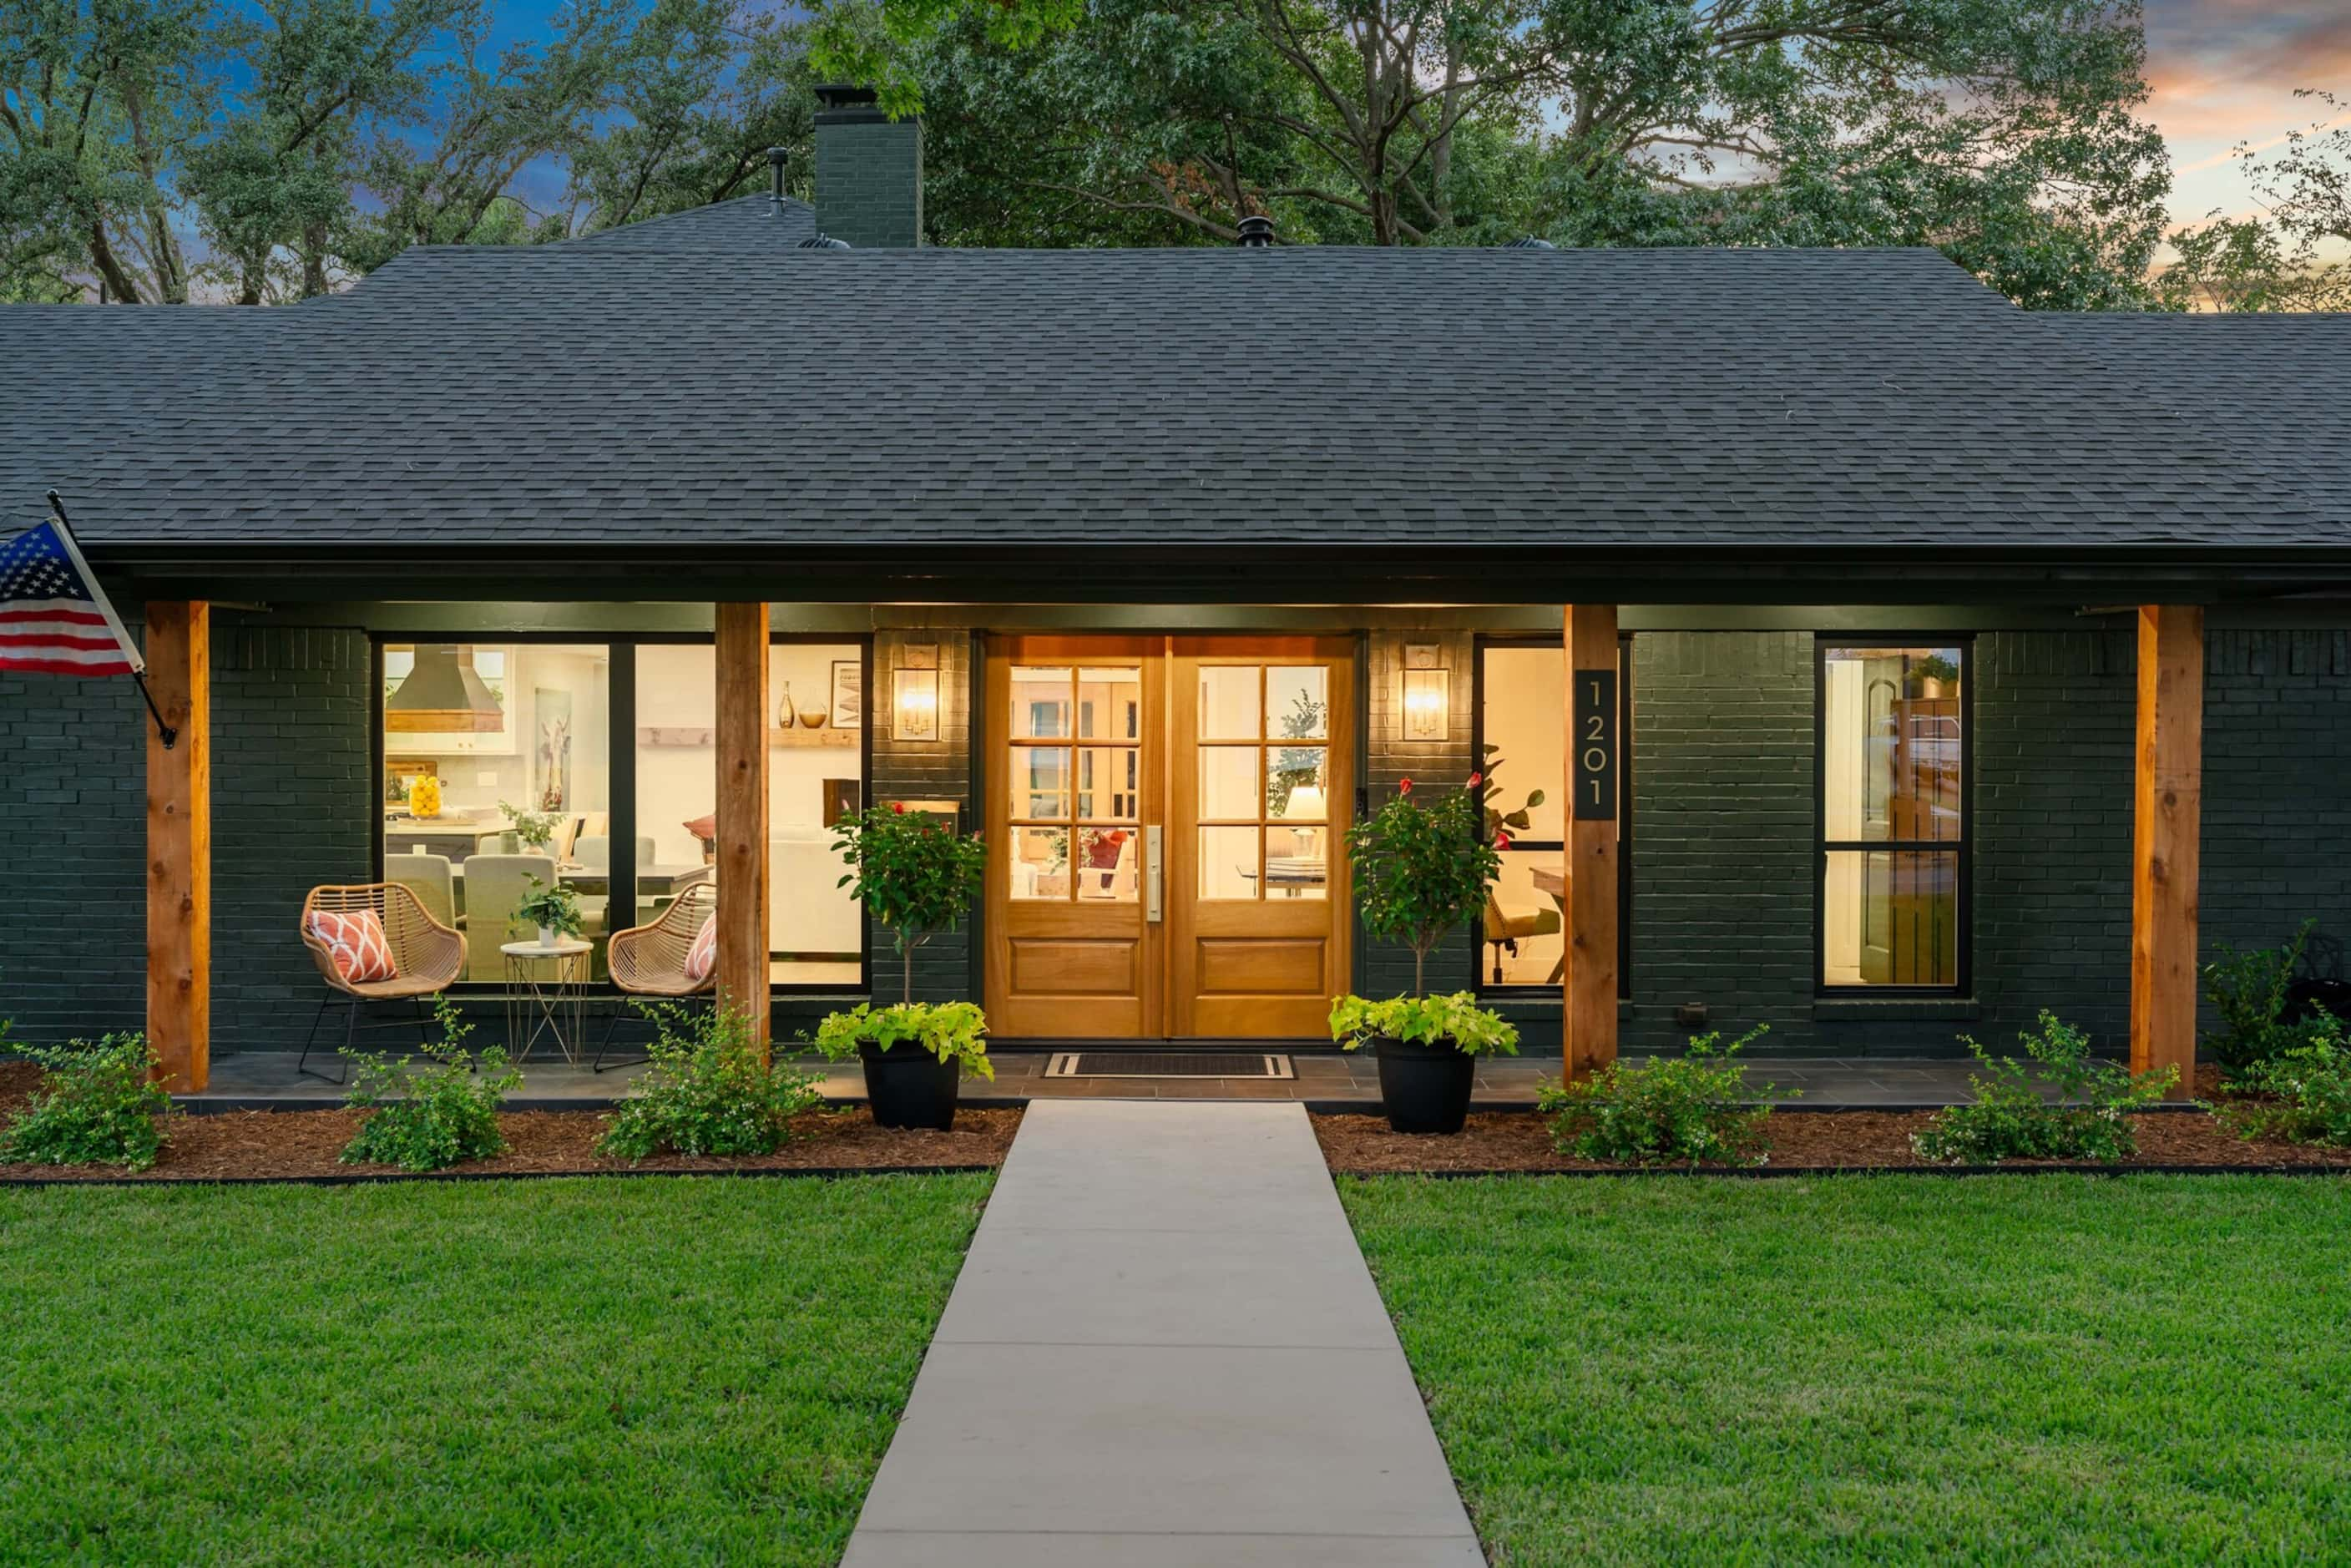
(54, 620)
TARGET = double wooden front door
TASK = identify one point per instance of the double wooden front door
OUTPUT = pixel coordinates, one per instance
(1164, 815)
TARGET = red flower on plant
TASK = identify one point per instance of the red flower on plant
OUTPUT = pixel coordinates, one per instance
(1501, 841)
(1474, 779)
(898, 808)
(1404, 786)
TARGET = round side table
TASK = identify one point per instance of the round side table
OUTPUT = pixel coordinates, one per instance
(546, 994)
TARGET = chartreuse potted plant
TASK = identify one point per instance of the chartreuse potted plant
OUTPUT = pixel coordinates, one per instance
(554, 910)
(1419, 871)
(917, 876)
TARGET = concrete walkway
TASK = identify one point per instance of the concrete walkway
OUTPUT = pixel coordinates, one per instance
(1163, 1349)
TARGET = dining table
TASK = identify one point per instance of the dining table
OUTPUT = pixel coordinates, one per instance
(654, 881)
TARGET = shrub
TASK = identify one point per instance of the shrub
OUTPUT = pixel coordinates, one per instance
(98, 1105)
(1457, 1019)
(912, 872)
(2310, 1084)
(710, 1091)
(1688, 1110)
(2251, 991)
(952, 1031)
(431, 1117)
(2009, 1120)
(1420, 870)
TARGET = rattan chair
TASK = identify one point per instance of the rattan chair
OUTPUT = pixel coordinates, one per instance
(428, 955)
(649, 961)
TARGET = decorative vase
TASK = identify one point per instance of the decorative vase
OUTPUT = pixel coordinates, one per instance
(908, 1087)
(546, 936)
(1425, 1088)
(424, 797)
(812, 718)
(785, 711)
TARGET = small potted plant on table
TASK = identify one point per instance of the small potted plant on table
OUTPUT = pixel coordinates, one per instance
(1421, 871)
(554, 910)
(916, 876)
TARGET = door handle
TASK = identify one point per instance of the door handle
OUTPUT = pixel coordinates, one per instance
(1154, 873)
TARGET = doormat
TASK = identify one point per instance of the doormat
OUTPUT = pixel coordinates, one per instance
(1169, 1064)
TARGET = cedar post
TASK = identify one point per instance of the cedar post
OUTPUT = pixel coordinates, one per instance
(742, 854)
(2167, 813)
(180, 844)
(1588, 1040)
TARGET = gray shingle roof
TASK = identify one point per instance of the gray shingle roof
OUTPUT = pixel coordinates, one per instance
(743, 222)
(632, 391)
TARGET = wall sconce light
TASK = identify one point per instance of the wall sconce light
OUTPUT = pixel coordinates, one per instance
(915, 695)
(1427, 694)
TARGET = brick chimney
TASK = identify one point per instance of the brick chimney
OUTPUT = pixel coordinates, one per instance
(869, 172)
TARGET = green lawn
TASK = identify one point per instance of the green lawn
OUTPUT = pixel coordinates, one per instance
(644, 1370)
(1881, 1369)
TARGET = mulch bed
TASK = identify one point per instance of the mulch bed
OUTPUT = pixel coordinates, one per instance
(302, 1144)
(1515, 1141)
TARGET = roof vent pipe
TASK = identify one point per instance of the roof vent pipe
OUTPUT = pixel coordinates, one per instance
(1256, 230)
(775, 188)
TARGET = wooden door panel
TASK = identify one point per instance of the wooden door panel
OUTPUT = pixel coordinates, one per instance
(1255, 953)
(1076, 958)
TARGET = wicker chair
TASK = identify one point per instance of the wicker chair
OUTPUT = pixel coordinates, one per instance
(428, 955)
(649, 961)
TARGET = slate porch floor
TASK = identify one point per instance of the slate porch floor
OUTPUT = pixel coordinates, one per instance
(1327, 1083)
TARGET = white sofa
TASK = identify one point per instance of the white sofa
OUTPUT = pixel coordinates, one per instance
(806, 911)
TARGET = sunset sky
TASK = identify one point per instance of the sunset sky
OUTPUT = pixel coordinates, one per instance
(2224, 71)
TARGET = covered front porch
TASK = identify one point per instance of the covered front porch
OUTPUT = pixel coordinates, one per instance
(1700, 864)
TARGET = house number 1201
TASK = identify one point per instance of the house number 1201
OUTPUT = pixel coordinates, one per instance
(1596, 745)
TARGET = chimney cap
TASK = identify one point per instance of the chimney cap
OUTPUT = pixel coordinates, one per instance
(1256, 230)
(845, 95)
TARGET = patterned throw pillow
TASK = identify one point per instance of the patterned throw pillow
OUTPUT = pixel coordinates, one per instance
(703, 956)
(357, 944)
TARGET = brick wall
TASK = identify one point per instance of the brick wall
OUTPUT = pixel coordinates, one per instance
(292, 806)
(1384, 968)
(926, 770)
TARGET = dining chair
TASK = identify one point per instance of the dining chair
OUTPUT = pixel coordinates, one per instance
(494, 885)
(428, 877)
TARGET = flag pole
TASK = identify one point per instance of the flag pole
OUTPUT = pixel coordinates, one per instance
(163, 732)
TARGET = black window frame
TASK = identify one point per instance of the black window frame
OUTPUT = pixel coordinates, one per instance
(1626, 763)
(1962, 853)
(620, 753)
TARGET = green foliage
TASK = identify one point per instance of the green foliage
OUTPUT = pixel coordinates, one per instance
(535, 829)
(2248, 990)
(710, 1089)
(2306, 1090)
(1420, 870)
(1694, 1108)
(429, 1118)
(2286, 254)
(952, 1031)
(98, 1105)
(2009, 1120)
(1500, 823)
(912, 872)
(1456, 1020)
(556, 907)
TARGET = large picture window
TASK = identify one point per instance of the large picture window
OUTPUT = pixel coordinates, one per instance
(1892, 863)
(1521, 731)
(479, 739)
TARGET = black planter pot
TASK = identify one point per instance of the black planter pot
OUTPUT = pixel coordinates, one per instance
(908, 1087)
(1425, 1088)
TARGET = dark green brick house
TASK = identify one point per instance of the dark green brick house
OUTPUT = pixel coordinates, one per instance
(1894, 663)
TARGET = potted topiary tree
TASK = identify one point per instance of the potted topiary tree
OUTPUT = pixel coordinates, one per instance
(917, 876)
(1419, 871)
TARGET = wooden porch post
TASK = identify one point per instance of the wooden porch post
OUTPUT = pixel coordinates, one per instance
(1594, 747)
(178, 655)
(742, 856)
(2167, 822)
